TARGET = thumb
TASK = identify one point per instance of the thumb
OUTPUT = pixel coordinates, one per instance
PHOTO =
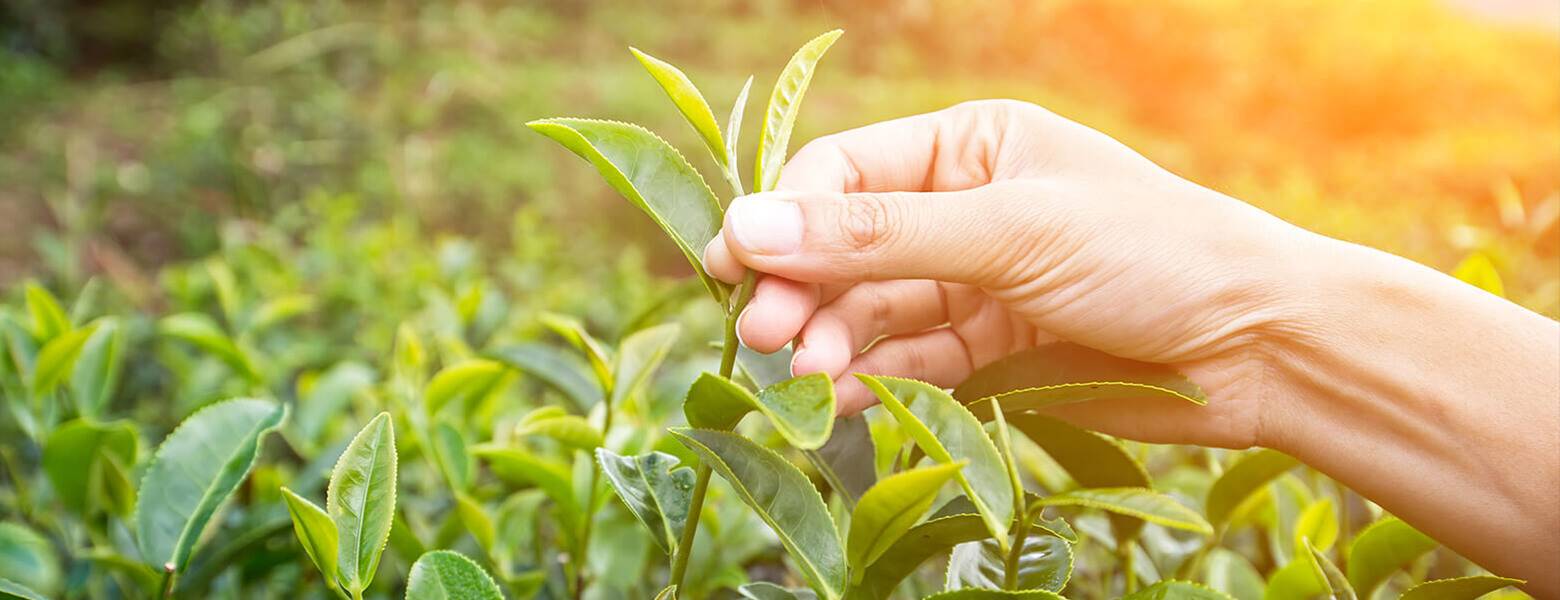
(973, 236)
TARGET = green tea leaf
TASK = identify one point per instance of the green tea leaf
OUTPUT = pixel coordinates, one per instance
(654, 489)
(323, 398)
(202, 332)
(851, 454)
(48, 318)
(77, 457)
(1093, 460)
(97, 368)
(574, 332)
(1459, 588)
(522, 468)
(476, 521)
(462, 383)
(667, 593)
(1176, 590)
(801, 408)
(557, 370)
(226, 287)
(1045, 563)
(982, 594)
(572, 430)
(1233, 574)
(1062, 373)
(449, 452)
(361, 500)
(913, 548)
(1381, 549)
(28, 560)
(57, 358)
(734, 130)
(889, 509)
(316, 531)
(1141, 503)
(12, 589)
(449, 575)
(783, 497)
(638, 357)
(1298, 580)
(947, 432)
(1334, 584)
(764, 590)
(1318, 523)
(278, 310)
(1244, 478)
(689, 102)
(785, 103)
(652, 175)
(194, 471)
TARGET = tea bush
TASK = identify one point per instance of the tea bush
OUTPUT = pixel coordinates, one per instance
(321, 404)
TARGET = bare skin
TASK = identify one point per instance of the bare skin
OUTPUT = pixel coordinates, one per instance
(932, 245)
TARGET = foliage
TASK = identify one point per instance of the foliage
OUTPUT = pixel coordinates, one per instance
(336, 216)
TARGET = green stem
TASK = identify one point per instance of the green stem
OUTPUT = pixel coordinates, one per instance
(1010, 569)
(167, 581)
(590, 506)
(728, 363)
(1128, 562)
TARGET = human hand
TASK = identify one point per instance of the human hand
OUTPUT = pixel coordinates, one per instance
(961, 236)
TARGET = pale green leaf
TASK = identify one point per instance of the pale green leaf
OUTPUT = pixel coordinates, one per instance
(12, 589)
(1045, 563)
(1176, 590)
(97, 369)
(48, 318)
(560, 371)
(1233, 574)
(522, 468)
(1062, 373)
(316, 532)
(1298, 580)
(734, 130)
(361, 500)
(764, 590)
(449, 575)
(785, 103)
(946, 432)
(801, 408)
(202, 332)
(1141, 503)
(449, 452)
(689, 102)
(1244, 478)
(913, 548)
(280, 309)
(1381, 549)
(652, 175)
(571, 430)
(1459, 588)
(57, 359)
(654, 489)
(28, 559)
(783, 497)
(194, 472)
(1317, 523)
(889, 509)
(638, 357)
(981, 594)
(1334, 584)
(667, 593)
(463, 383)
(476, 521)
(574, 332)
(226, 287)
(77, 458)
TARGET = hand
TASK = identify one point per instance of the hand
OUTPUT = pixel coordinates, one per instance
(929, 246)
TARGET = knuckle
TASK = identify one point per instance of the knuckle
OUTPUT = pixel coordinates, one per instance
(868, 222)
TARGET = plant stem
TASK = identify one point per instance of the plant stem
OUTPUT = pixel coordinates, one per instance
(1129, 566)
(1010, 569)
(590, 504)
(728, 363)
(167, 581)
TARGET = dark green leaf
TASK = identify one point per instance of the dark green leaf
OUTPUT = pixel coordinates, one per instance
(77, 457)
(638, 357)
(654, 489)
(449, 575)
(889, 509)
(560, 371)
(27, 558)
(522, 468)
(917, 545)
(652, 175)
(1381, 549)
(1460, 588)
(764, 590)
(785, 103)
(1093, 460)
(361, 500)
(850, 453)
(1045, 563)
(947, 432)
(783, 497)
(801, 408)
(1244, 478)
(689, 102)
(1062, 373)
(194, 471)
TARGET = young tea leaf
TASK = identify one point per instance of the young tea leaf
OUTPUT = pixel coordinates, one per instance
(653, 176)
(560, 371)
(316, 531)
(1232, 574)
(449, 575)
(801, 408)
(1244, 478)
(1459, 588)
(1317, 523)
(194, 471)
(78, 457)
(1045, 563)
(654, 489)
(449, 452)
(947, 432)
(202, 332)
(573, 331)
(522, 468)
(48, 318)
(733, 131)
(57, 358)
(638, 357)
(571, 430)
(1141, 503)
(689, 102)
(476, 521)
(1381, 549)
(96, 373)
(785, 102)
(1334, 584)
(361, 500)
(1298, 580)
(462, 383)
(783, 497)
(889, 509)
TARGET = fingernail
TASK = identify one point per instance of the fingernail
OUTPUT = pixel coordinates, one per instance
(796, 359)
(704, 259)
(762, 224)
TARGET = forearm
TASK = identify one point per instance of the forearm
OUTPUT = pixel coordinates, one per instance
(1437, 401)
